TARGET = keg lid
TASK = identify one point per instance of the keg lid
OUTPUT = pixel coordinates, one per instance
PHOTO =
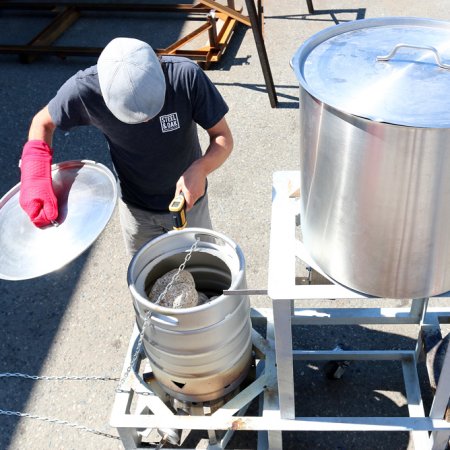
(86, 193)
(394, 70)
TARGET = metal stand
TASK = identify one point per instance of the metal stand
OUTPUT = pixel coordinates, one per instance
(282, 288)
(142, 407)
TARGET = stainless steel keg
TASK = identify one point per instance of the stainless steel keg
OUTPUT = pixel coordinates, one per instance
(201, 353)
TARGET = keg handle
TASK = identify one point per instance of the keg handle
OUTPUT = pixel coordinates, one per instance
(205, 237)
(437, 57)
(163, 319)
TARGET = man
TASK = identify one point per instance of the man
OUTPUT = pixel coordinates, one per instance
(148, 110)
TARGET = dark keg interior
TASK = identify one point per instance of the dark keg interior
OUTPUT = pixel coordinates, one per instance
(211, 275)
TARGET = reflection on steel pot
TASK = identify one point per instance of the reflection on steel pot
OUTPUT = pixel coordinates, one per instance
(200, 353)
(375, 162)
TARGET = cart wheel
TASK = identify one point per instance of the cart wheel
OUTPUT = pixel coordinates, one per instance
(334, 370)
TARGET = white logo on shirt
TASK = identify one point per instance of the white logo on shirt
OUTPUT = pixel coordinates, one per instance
(169, 122)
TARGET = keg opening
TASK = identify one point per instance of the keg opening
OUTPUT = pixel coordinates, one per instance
(211, 274)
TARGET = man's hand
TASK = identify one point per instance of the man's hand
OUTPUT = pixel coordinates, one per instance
(193, 181)
(192, 184)
(37, 198)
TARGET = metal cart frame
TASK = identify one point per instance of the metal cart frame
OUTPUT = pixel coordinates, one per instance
(274, 381)
(284, 250)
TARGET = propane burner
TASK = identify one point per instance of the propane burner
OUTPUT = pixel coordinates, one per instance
(201, 408)
(185, 408)
(206, 409)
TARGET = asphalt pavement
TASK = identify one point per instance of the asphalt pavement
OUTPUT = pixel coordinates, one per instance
(78, 320)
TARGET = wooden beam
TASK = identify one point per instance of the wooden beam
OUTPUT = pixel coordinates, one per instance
(52, 32)
(228, 11)
(189, 37)
(201, 55)
(57, 27)
(50, 50)
(226, 31)
(101, 7)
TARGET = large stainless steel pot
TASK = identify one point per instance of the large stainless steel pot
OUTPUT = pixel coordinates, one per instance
(201, 353)
(375, 156)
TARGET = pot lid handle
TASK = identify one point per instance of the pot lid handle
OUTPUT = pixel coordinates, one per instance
(420, 47)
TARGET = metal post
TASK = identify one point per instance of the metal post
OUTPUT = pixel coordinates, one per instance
(418, 308)
(271, 397)
(415, 404)
(212, 31)
(442, 395)
(283, 351)
(439, 440)
(260, 46)
(310, 6)
(129, 437)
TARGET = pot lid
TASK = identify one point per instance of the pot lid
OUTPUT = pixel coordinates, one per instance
(86, 193)
(394, 70)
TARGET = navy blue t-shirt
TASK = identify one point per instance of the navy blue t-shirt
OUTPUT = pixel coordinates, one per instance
(149, 157)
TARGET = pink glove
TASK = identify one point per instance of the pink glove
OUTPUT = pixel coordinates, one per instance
(37, 198)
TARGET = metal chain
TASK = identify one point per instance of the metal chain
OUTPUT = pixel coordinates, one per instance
(52, 378)
(59, 422)
(52, 420)
(149, 315)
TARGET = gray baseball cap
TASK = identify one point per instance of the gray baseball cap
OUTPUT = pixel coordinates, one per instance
(131, 80)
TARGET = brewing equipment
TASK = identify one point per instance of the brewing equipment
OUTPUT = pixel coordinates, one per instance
(200, 353)
(374, 210)
(374, 156)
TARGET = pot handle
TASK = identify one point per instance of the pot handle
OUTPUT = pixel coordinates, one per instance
(419, 47)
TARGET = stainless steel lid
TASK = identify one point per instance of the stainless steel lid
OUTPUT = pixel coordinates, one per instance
(87, 194)
(340, 66)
